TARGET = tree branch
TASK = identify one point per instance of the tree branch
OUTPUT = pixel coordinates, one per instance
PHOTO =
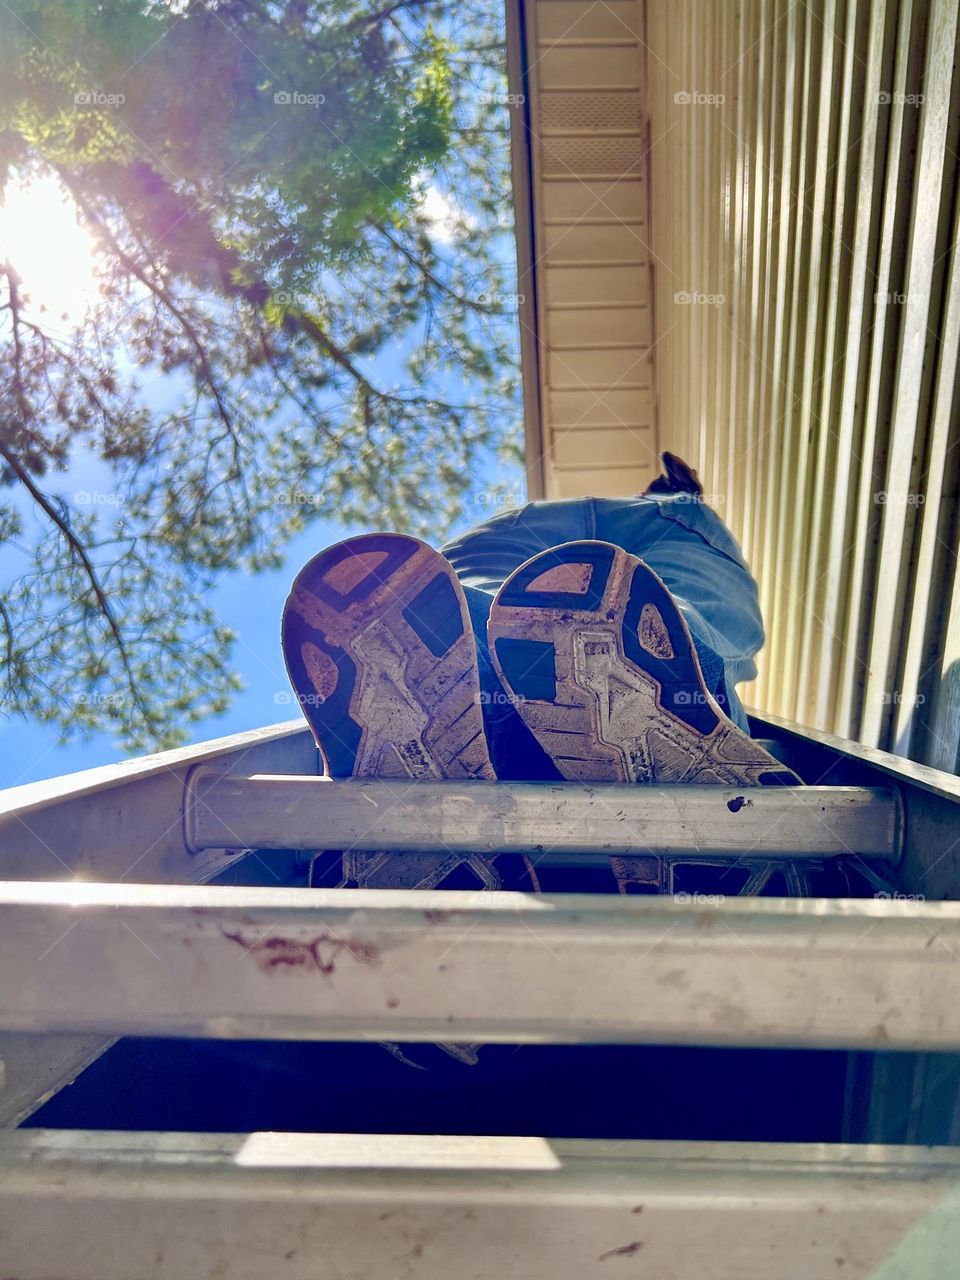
(430, 276)
(79, 552)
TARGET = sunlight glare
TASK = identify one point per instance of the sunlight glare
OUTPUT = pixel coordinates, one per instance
(51, 252)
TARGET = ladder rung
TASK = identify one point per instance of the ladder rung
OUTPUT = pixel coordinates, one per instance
(296, 812)
(106, 1204)
(407, 965)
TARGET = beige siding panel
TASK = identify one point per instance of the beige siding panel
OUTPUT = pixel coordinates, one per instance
(587, 286)
(816, 366)
(838, 261)
(594, 202)
(936, 549)
(619, 110)
(587, 67)
(610, 408)
(899, 71)
(849, 443)
(618, 446)
(603, 482)
(584, 244)
(600, 326)
(591, 155)
(598, 368)
(790, 527)
(574, 20)
(911, 395)
(785, 229)
(942, 714)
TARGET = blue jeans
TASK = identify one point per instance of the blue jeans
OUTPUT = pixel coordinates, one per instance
(677, 535)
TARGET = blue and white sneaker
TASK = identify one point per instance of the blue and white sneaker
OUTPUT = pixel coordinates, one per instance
(595, 651)
(379, 648)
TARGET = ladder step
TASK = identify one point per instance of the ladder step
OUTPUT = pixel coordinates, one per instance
(104, 1205)
(461, 967)
(296, 812)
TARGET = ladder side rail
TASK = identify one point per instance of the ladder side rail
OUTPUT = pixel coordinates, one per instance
(122, 821)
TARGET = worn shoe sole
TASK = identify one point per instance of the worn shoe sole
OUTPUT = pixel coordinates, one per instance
(598, 656)
(378, 645)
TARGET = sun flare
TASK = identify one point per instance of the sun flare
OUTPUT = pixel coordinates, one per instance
(42, 239)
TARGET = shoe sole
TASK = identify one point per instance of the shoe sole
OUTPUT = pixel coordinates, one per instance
(379, 648)
(604, 672)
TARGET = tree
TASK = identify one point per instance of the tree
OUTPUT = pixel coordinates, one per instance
(258, 178)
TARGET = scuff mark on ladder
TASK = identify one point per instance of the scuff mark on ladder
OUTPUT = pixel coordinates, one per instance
(319, 955)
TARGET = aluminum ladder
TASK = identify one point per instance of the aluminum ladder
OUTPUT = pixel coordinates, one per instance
(107, 930)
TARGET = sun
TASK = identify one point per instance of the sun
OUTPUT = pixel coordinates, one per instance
(52, 253)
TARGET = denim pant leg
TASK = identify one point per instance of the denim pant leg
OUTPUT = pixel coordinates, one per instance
(517, 755)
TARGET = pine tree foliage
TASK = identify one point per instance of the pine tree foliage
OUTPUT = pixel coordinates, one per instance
(261, 180)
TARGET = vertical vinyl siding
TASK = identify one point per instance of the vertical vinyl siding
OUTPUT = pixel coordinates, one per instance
(806, 325)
